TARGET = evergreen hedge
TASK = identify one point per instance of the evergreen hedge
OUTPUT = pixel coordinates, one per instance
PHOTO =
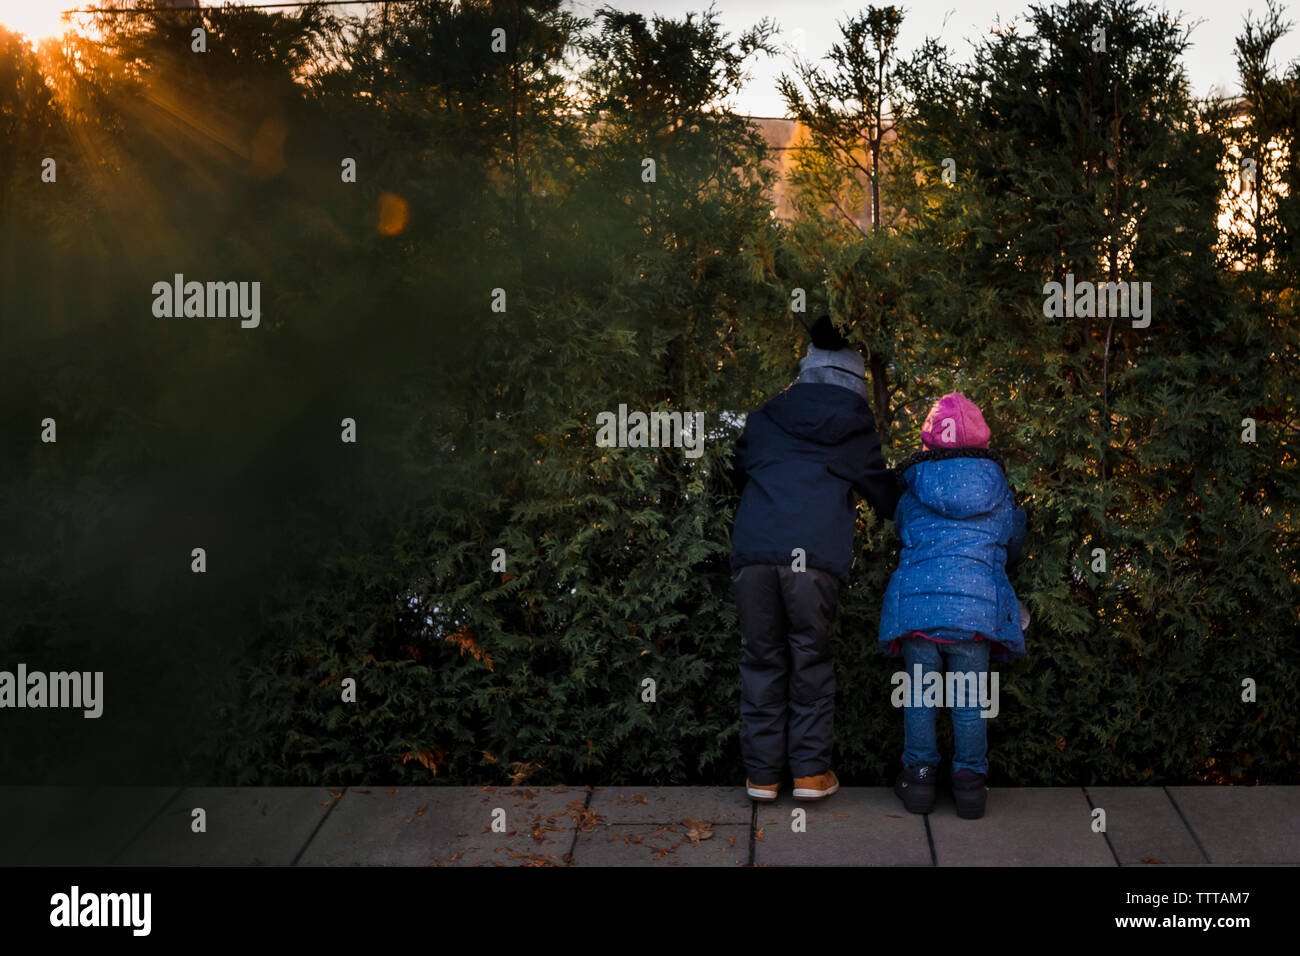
(375, 561)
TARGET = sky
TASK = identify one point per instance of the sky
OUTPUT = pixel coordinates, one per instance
(1208, 60)
(811, 26)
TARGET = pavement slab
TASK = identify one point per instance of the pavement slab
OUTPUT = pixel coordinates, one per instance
(245, 826)
(28, 812)
(619, 805)
(1255, 825)
(450, 826)
(695, 842)
(858, 826)
(1144, 827)
(74, 826)
(1031, 826)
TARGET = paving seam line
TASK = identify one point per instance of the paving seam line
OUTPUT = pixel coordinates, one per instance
(1195, 838)
(753, 824)
(929, 837)
(320, 823)
(1106, 833)
(577, 828)
(140, 831)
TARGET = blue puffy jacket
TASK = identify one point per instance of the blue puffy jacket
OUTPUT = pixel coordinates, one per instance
(959, 526)
(799, 460)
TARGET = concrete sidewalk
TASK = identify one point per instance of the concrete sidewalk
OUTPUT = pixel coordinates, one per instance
(641, 826)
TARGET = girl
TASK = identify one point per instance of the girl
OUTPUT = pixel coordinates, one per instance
(949, 606)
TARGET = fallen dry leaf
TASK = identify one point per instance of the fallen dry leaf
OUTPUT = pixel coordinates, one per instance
(758, 834)
(586, 819)
(697, 830)
(423, 807)
(1151, 859)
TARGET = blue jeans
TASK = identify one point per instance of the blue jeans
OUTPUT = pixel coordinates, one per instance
(970, 737)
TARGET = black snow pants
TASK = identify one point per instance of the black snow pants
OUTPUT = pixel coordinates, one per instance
(787, 677)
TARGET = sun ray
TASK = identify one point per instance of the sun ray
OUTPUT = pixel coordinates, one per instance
(36, 19)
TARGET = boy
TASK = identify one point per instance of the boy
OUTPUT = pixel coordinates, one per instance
(798, 462)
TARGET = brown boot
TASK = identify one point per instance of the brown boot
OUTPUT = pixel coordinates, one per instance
(764, 792)
(815, 788)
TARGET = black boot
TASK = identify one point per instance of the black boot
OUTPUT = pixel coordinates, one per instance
(915, 787)
(970, 793)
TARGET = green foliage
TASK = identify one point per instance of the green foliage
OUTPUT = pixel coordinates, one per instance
(1118, 438)
(522, 171)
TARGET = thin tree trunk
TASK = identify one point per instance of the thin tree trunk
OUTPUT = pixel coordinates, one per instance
(880, 393)
(879, 369)
(875, 146)
(1111, 276)
(514, 141)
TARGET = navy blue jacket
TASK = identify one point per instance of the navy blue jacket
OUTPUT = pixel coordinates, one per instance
(799, 460)
(959, 526)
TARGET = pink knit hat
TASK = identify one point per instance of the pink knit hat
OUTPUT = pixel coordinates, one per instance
(955, 422)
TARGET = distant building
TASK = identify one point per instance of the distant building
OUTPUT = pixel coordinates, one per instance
(785, 137)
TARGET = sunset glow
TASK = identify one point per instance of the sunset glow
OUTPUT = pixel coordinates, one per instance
(36, 19)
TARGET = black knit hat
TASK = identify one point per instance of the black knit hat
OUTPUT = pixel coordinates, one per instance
(825, 335)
